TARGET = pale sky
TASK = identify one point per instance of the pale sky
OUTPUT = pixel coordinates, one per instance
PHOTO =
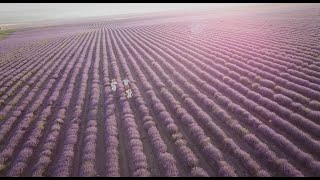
(12, 13)
(32, 12)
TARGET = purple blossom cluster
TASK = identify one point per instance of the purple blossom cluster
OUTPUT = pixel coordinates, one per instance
(65, 161)
(20, 70)
(185, 153)
(8, 150)
(44, 64)
(6, 127)
(243, 55)
(22, 159)
(314, 113)
(137, 160)
(52, 139)
(87, 167)
(201, 115)
(197, 97)
(111, 136)
(160, 147)
(195, 131)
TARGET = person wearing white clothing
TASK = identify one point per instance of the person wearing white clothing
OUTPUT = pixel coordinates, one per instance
(114, 85)
(126, 83)
(129, 93)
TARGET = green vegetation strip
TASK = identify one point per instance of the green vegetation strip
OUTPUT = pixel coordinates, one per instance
(5, 32)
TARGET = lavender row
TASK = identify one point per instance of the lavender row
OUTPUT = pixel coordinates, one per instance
(256, 39)
(19, 55)
(44, 158)
(87, 167)
(311, 114)
(7, 125)
(197, 134)
(64, 165)
(280, 99)
(166, 160)
(24, 76)
(221, 114)
(186, 156)
(293, 170)
(204, 117)
(222, 91)
(112, 132)
(284, 60)
(137, 159)
(225, 51)
(27, 120)
(225, 89)
(254, 54)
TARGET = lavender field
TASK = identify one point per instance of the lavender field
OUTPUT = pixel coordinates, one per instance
(213, 94)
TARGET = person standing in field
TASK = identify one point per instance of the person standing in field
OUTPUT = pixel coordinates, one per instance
(127, 88)
(114, 85)
(129, 93)
(126, 83)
